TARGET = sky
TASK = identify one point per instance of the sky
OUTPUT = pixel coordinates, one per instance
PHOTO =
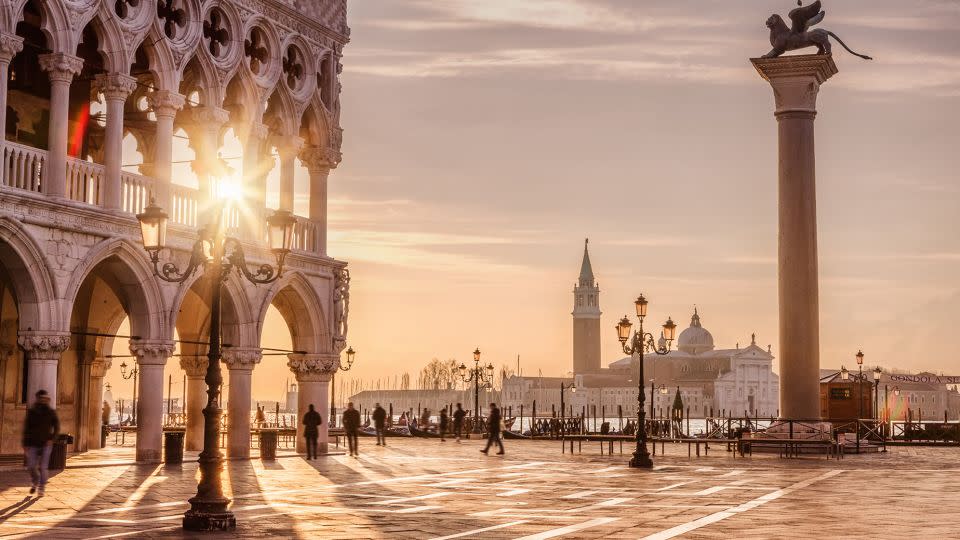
(483, 141)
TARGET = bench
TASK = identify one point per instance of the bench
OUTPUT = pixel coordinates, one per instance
(790, 448)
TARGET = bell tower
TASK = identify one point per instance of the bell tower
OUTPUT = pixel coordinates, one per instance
(586, 318)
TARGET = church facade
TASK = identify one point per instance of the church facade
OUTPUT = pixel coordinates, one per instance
(713, 381)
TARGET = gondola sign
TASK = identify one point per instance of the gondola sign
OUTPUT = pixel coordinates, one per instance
(927, 379)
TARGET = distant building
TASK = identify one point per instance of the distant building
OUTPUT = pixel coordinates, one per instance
(897, 395)
(417, 400)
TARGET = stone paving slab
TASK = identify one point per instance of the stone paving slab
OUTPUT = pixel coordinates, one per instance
(418, 488)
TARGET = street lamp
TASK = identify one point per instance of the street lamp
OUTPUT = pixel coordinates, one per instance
(859, 394)
(639, 344)
(131, 375)
(876, 390)
(480, 375)
(563, 425)
(218, 255)
(333, 387)
(844, 374)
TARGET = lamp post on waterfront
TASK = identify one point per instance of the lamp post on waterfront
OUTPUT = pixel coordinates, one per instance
(859, 395)
(131, 375)
(563, 425)
(640, 343)
(218, 255)
(333, 388)
(876, 390)
(479, 375)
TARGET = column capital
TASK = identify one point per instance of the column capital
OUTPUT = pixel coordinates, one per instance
(796, 80)
(115, 86)
(313, 367)
(61, 67)
(288, 146)
(259, 131)
(210, 117)
(151, 352)
(316, 159)
(195, 366)
(166, 103)
(100, 366)
(242, 358)
(44, 344)
(10, 46)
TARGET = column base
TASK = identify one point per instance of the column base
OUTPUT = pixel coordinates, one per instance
(641, 461)
(209, 515)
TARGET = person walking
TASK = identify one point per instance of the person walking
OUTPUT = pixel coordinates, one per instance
(444, 421)
(40, 429)
(380, 423)
(458, 416)
(311, 424)
(493, 429)
(351, 425)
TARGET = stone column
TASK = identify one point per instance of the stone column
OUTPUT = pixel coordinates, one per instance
(60, 69)
(796, 81)
(240, 362)
(315, 160)
(289, 148)
(196, 369)
(256, 164)
(209, 121)
(98, 370)
(116, 87)
(165, 105)
(150, 358)
(43, 351)
(313, 373)
(10, 46)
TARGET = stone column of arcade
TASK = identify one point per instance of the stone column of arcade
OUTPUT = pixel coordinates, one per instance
(10, 46)
(98, 370)
(165, 105)
(195, 366)
(115, 88)
(240, 363)
(315, 160)
(151, 356)
(61, 69)
(289, 148)
(256, 163)
(209, 121)
(796, 82)
(43, 351)
(313, 373)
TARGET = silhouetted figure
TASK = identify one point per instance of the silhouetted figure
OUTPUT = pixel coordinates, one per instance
(311, 425)
(444, 420)
(493, 429)
(380, 423)
(458, 416)
(261, 418)
(39, 431)
(351, 425)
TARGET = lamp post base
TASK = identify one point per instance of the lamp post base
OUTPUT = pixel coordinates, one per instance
(209, 516)
(641, 460)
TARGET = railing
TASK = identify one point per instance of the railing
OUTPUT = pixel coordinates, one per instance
(22, 166)
(305, 235)
(183, 205)
(84, 181)
(135, 192)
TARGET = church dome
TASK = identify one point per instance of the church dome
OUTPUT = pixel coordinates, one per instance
(695, 339)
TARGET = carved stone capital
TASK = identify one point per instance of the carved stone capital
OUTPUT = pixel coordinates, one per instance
(316, 159)
(242, 358)
(46, 345)
(115, 86)
(166, 103)
(313, 367)
(259, 132)
(99, 367)
(10, 46)
(194, 366)
(796, 80)
(210, 117)
(151, 352)
(288, 146)
(61, 67)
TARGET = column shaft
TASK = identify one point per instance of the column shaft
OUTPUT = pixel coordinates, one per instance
(196, 401)
(151, 358)
(43, 356)
(317, 162)
(115, 88)
(10, 45)
(60, 69)
(288, 147)
(238, 413)
(165, 105)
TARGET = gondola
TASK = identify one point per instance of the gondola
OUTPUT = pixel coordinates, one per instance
(507, 434)
(395, 431)
(422, 433)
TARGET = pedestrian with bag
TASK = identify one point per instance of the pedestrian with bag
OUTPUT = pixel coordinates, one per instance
(40, 429)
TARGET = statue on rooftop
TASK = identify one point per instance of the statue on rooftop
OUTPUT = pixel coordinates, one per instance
(799, 36)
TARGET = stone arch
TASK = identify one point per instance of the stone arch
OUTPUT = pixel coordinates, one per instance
(317, 124)
(282, 109)
(132, 273)
(238, 327)
(296, 299)
(161, 61)
(33, 283)
(112, 47)
(201, 76)
(54, 23)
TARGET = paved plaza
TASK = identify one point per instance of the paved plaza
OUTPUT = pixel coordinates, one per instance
(418, 488)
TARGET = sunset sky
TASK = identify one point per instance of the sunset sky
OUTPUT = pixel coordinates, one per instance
(485, 140)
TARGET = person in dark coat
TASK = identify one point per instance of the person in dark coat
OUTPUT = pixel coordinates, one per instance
(40, 429)
(444, 422)
(351, 425)
(493, 429)
(380, 423)
(458, 416)
(311, 425)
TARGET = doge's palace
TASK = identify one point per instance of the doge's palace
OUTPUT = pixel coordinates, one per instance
(109, 104)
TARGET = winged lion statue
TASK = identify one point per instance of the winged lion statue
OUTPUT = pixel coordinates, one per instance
(799, 35)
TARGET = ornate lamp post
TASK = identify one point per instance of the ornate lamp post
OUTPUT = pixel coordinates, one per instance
(639, 344)
(333, 388)
(479, 375)
(877, 372)
(563, 424)
(218, 255)
(131, 375)
(859, 394)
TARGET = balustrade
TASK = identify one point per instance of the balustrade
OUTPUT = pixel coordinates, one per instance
(135, 192)
(84, 181)
(22, 166)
